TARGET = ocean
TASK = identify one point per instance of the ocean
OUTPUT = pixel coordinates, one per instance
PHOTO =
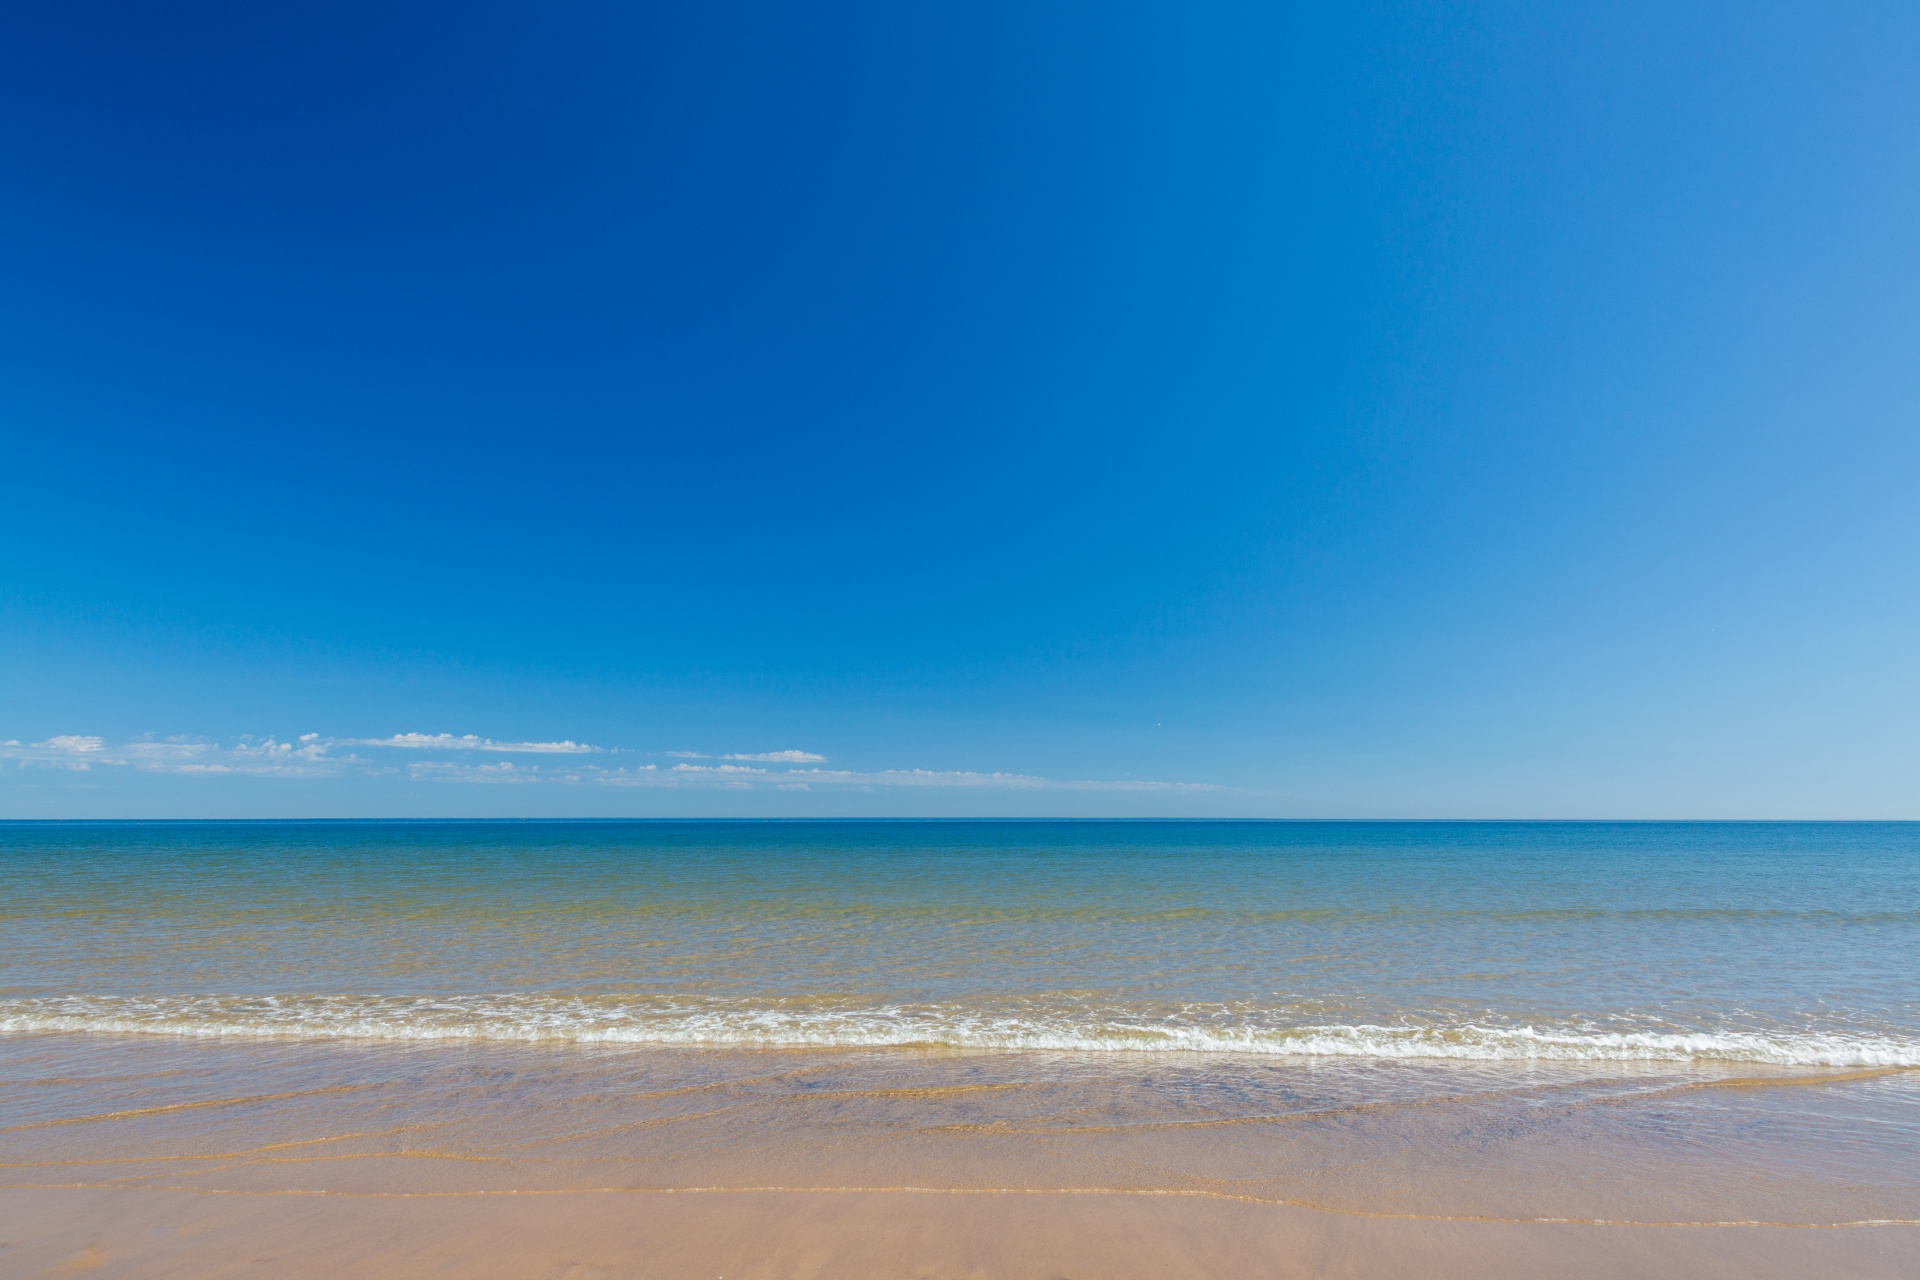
(1654, 1023)
(1792, 944)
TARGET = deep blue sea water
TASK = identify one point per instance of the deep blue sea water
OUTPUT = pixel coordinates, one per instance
(1779, 943)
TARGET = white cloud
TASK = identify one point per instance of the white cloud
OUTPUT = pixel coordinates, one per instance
(78, 752)
(261, 757)
(506, 771)
(470, 742)
(1007, 781)
(73, 742)
(312, 756)
(738, 777)
(264, 756)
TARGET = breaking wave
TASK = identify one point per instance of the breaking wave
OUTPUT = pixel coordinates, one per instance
(529, 1018)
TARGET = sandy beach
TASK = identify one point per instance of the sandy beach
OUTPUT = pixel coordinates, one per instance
(750, 1235)
(151, 1157)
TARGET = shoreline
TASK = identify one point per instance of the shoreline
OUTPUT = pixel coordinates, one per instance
(559, 1019)
(145, 1156)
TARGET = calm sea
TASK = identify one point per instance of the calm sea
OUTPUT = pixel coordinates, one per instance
(1783, 944)
(1532, 1023)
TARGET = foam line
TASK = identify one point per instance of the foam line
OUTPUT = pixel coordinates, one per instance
(544, 1018)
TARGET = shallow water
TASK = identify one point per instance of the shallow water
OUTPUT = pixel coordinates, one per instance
(1768, 943)
(1653, 1024)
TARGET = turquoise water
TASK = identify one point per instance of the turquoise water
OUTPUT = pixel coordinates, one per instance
(1743, 942)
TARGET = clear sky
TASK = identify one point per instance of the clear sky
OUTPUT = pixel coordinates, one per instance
(1397, 409)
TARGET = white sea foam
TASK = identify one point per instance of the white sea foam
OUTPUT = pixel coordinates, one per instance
(640, 1021)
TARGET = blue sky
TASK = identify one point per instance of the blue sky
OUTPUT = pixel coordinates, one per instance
(1231, 409)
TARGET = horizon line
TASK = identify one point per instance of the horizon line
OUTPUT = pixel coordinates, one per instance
(933, 818)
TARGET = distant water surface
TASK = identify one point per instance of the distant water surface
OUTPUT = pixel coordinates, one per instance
(1781, 944)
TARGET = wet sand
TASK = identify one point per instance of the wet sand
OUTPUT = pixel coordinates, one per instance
(157, 1156)
(748, 1235)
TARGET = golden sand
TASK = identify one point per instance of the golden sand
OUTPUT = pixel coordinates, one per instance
(751, 1235)
(149, 1156)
